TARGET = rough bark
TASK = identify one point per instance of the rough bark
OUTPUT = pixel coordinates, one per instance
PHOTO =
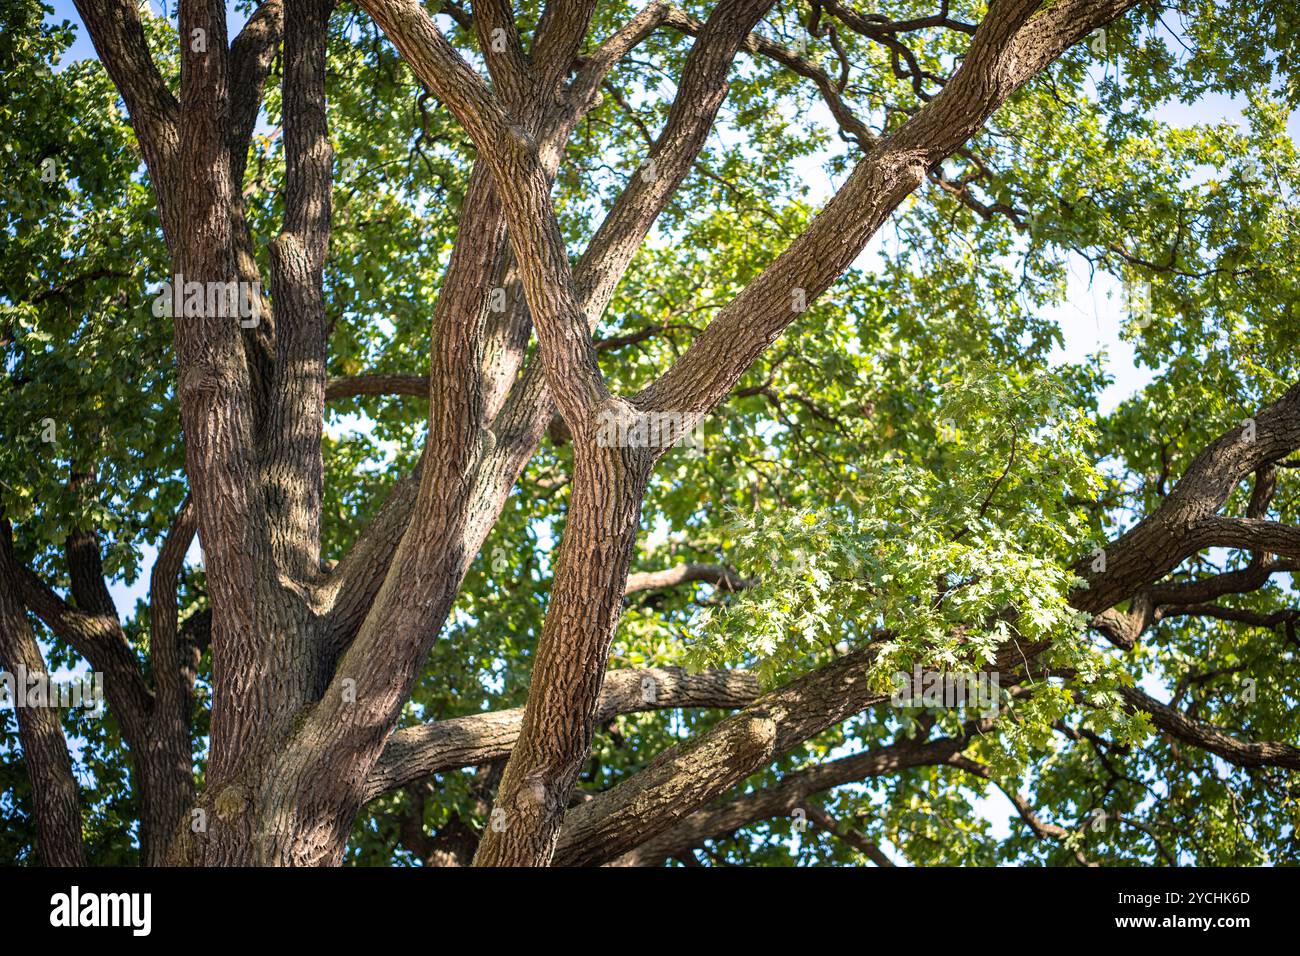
(45, 750)
(586, 598)
(167, 751)
(1261, 753)
(417, 752)
(780, 799)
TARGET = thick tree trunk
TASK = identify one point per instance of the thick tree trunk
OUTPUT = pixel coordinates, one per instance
(586, 599)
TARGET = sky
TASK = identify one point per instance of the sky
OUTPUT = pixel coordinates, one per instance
(1090, 318)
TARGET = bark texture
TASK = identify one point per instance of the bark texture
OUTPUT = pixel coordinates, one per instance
(45, 750)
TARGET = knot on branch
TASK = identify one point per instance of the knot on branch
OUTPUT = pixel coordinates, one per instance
(521, 143)
(756, 736)
(286, 248)
(533, 793)
(199, 380)
(231, 801)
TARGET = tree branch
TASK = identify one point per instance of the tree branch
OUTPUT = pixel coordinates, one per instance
(166, 757)
(657, 843)
(868, 848)
(524, 189)
(215, 391)
(1005, 52)
(45, 750)
(688, 775)
(251, 55)
(718, 575)
(377, 384)
(700, 95)
(851, 127)
(1185, 521)
(115, 29)
(498, 39)
(1207, 737)
(416, 752)
(560, 31)
(1042, 830)
(293, 465)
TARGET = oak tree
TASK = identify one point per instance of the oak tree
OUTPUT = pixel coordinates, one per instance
(562, 433)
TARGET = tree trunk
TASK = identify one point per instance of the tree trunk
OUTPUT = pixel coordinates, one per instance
(586, 600)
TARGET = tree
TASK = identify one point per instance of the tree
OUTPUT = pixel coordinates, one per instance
(669, 419)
